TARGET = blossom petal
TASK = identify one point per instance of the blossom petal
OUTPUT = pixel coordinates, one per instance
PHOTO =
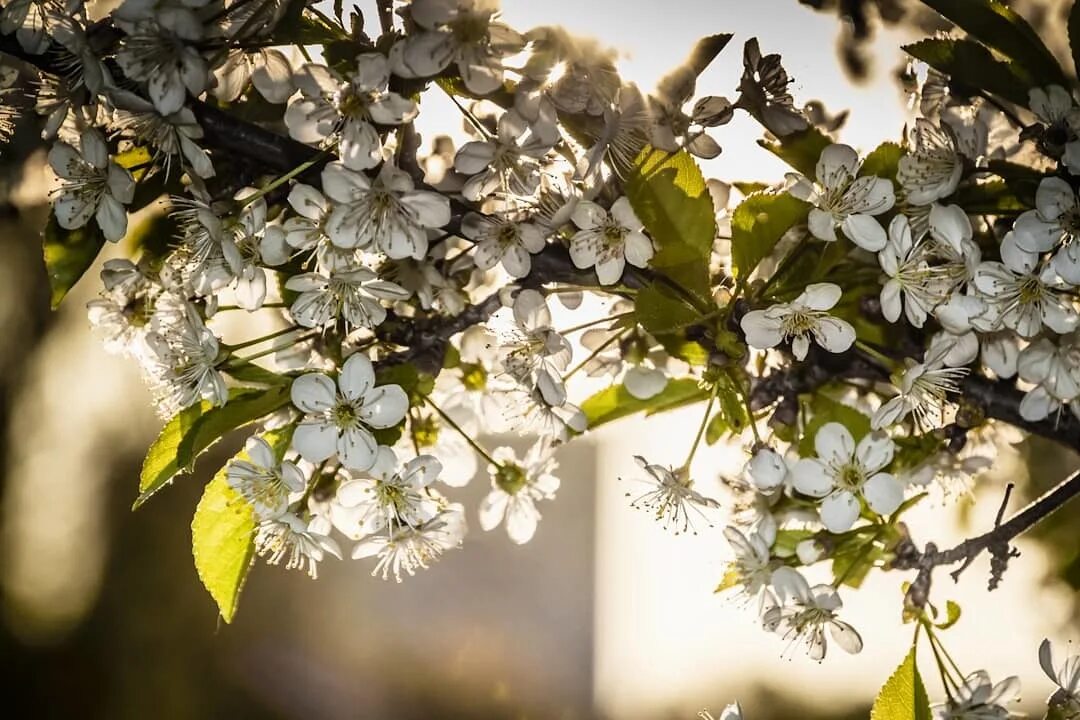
(313, 393)
(811, 477)
(839, 511)
(384, 406)
(883, 493)
(357, 448)
(315, 440)
(357, 377)
(834, 443)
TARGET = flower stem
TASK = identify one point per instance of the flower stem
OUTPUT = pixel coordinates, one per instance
(281, 180)
(597, 321)
(603, 346)
(876, 354)
(264, 338)
(449, 421)
(744, 393)
(262, 353)
(701, 427)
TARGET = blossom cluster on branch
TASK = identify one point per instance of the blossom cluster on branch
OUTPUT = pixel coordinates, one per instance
(870, 329)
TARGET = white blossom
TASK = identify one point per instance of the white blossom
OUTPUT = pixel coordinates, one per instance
(1054, 370)
(501, 240)
(922, 391)
(533, 353)
(159, 49)
(268, 69)
(842, 199)
(800, 321)
(671, 497)
(389, 213)
(509, 162)
(264, 481)
(843, 473)
(302, 545)
(516, 487)
(977, 698)
(800, 613)
(1021, 296)
(1066, 676)
(461, 32)
(92, 186)
(386, 496)
(767, 469)
(932, 168)
(609, 239)
(352, 295)
(339, 417)
(329, 107)
(411, 548)
(1054, 224)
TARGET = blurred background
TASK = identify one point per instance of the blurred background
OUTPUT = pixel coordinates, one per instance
(602, 615)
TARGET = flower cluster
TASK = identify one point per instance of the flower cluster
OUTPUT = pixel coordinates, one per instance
(373, 310)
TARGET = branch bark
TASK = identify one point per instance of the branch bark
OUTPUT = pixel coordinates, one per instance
(997, 541)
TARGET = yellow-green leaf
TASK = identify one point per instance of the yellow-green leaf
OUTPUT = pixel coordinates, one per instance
(800, 150)
(616, 401)
(669, 196)
(223, 543)
(195, 429)
(882, 161)
(757, 225)
(223, 532)
(903, 697)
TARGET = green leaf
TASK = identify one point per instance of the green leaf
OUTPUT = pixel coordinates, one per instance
(814, 263)
(616, 401)
(733, 415)
(970, 64)
(749, 188)
(787, 540)
(1074, 35)
(912, 450)
(669, 196)
(223, 532)
(152, 238)
(952, 616)
(253, 374)
(883, 161)
(994, 197)
(800, 150)
(68, 255)
(823, 409)
(223, 543)
(853, 559)
(195, 429)
(666, 317)
(1000, 28)
(757, 225)
(659, 310)
(903, 697)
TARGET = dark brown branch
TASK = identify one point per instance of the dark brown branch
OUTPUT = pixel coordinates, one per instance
(997, 542)
(386, 15)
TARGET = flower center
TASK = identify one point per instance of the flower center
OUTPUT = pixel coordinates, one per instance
(344, 415)
(850, 476)
(800, 322)
(510, 478)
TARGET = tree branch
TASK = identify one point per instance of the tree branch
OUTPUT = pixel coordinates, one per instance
(997, 542)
